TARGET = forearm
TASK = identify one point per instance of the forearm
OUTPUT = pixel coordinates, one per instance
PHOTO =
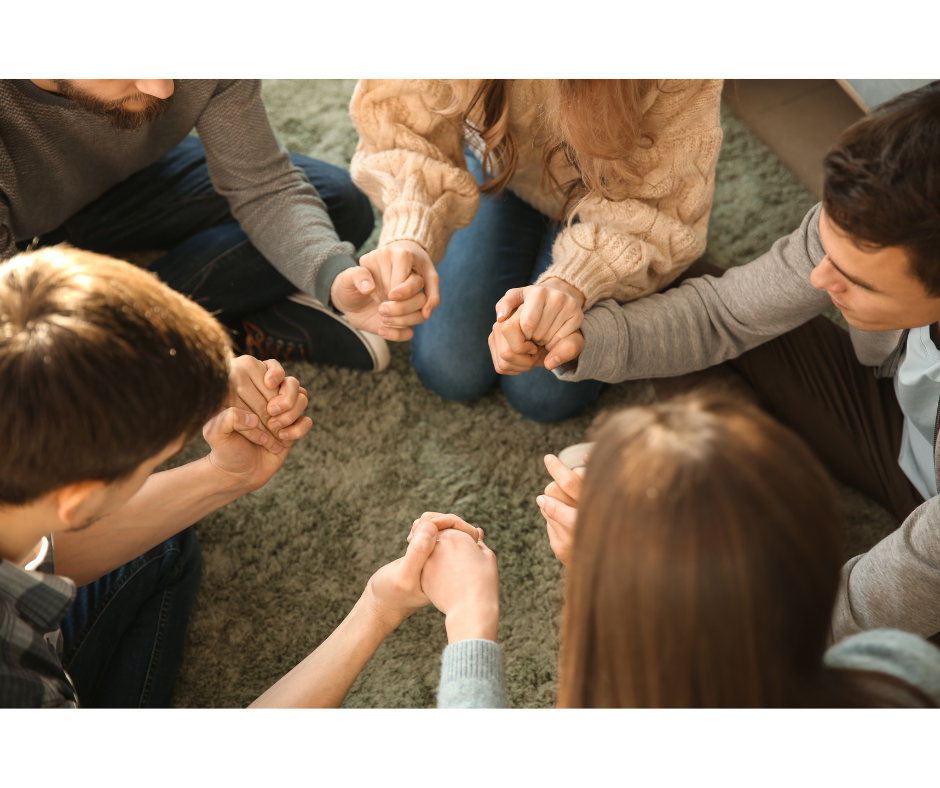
(167, 503)
(896, 584)
(325, 676)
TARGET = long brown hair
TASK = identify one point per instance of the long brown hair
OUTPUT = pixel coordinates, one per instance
(594, 124)
(705, 567)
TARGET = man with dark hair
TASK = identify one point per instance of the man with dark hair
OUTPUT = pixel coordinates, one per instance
(865, 400)
(104, 374)
(261, 237)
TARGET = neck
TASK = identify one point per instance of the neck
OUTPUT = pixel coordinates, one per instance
(23, 527)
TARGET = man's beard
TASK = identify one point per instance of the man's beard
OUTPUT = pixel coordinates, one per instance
(116, 111)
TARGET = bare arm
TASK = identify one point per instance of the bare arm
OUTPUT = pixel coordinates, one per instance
(167, 503)
(393, 593)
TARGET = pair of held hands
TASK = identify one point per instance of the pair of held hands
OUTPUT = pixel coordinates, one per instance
(446, 564)
(397, 287)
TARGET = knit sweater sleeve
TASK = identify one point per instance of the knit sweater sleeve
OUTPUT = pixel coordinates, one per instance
(273, 202)
(472, 676)
(629, 249)
(410, 161)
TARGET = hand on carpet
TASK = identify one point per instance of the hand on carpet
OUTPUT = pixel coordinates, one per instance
(358, 294)
(559, 506)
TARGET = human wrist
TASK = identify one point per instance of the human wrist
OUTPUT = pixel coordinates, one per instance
(560, 284)
(325, 287)
(472, 622)
(221, 480)
(376, 614)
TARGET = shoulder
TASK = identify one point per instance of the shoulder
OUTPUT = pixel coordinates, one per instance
(899, 654)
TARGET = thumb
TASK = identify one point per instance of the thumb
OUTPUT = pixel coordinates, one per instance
(422, 544)
(363, 280)
(509, 303)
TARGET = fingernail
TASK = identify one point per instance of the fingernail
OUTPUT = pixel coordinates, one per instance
(540, 500)
(247, 419)
(264, 438)
(277, 448)
(548, 458)
(500, 313)
(274, 426)
(383, 310)
(283, 435)
(365, 287)
(387, 321)
(553, 360)
(275, 410)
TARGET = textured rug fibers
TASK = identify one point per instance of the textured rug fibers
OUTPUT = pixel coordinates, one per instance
(284, 565)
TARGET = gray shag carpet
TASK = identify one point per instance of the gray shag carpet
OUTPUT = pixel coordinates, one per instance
(284, 565)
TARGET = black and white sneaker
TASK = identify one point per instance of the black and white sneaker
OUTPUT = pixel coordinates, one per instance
(301, 328)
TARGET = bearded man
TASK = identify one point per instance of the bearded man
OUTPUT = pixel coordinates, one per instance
(261, 237)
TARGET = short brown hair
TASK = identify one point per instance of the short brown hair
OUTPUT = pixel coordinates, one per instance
(101, 368)
(705, 568)
(882, 180)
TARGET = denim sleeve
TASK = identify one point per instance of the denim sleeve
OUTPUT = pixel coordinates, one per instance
(899, 654)
(472, 676)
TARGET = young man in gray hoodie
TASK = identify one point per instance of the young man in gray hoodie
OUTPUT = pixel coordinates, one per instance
(865, 400)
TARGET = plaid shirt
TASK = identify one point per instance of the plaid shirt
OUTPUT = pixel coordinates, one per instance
(32, 606)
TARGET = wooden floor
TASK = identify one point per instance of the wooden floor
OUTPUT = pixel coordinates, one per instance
(798, 119)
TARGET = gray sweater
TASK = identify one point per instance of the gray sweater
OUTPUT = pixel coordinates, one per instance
(708, 320)
(56, 158)
(472, 670)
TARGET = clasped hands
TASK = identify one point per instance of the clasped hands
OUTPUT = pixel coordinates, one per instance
(397, 287)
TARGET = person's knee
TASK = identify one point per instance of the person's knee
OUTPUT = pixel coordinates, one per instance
(349, 208)
(530, 397)
(457, 382)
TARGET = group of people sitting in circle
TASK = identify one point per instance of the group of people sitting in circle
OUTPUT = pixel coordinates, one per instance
(542, 235)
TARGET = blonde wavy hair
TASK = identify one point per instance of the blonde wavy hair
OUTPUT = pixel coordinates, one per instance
(595, 124)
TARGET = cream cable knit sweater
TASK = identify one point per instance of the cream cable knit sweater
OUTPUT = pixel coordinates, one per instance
(410, 162)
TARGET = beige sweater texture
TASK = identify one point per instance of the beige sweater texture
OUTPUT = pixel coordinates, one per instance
(410, 161)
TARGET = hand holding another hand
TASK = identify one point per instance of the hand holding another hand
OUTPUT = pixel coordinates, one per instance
(537, 325)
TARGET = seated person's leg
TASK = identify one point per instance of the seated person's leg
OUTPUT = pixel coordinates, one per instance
(811, 380)
(123, 637)
(493, 254)
(538, 394)
(172, 205)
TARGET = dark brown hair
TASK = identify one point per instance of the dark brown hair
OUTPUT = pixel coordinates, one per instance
(882, 180)
(705, 567)
(594, 124)
(101, 368)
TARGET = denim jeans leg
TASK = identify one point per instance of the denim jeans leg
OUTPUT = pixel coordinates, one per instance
(173, 205)
(494, 253)
(123, 637)
(538, 394)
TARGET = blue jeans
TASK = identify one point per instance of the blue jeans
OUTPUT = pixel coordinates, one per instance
(508, 244)
(123, 637)
(172, 205)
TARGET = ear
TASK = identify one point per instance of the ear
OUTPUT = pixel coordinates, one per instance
(68, 500)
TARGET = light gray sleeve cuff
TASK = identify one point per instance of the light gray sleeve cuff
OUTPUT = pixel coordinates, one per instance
(472, 676)
(604, 347)
(899, 654)
(327, 272)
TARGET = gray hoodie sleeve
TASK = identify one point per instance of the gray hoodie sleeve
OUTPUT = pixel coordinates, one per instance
(706, 320)
(899, 654)
(472, 676)
(273, 202)
(896, 584)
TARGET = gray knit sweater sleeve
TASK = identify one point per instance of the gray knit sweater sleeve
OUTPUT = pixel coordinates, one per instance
(899, 654)
(472, 676)
(706, 320)
(277, 208)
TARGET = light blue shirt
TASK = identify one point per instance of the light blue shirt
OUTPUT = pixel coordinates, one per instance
(917, 385)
